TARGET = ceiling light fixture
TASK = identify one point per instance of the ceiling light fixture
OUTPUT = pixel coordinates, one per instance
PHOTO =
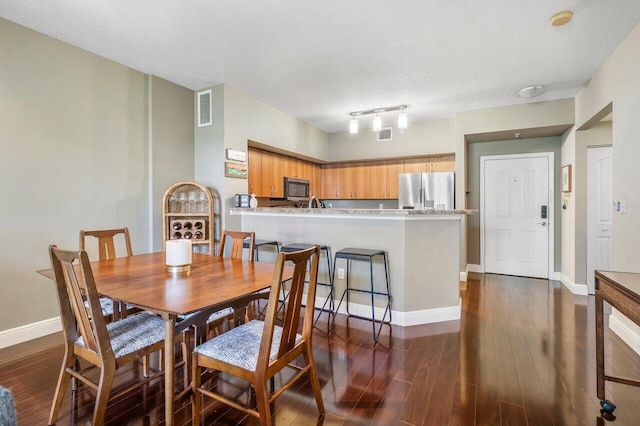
(353, 125)
(531, 92)
(377, 119)
(377, 123)
(561, 18)
(402, 120)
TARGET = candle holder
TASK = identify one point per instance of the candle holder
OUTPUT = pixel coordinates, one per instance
(178, 255)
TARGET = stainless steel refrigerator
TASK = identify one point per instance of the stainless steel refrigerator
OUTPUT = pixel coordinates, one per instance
(426, 190)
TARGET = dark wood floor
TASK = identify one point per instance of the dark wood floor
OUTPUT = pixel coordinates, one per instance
(522, 354)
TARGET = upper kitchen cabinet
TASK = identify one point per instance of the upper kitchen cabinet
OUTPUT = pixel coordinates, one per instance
(267, 171)
(444, 163)
(384, 178)
(315, 185)
(272, 175)
(331, 182)
(357, 183)
(255, 172)
(295, 168)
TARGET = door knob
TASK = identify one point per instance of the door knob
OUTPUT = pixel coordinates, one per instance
(542, 223)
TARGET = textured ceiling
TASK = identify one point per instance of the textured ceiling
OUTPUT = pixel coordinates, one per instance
(319, 60)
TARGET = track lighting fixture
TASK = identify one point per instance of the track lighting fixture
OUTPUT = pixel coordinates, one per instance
(377, 119)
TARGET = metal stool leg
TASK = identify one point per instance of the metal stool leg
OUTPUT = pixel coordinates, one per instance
(373, 303)
(329, 298)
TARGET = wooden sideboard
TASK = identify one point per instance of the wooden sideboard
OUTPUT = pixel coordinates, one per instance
(622, 291)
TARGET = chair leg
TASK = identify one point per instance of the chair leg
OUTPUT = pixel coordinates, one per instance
(63, 381)
(185, 358)
(146, 366)
(313, 378)
(197, 398)
(107, 375)
(262, 398)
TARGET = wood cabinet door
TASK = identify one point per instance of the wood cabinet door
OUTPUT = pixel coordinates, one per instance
(445, 163)
(362, 181)
(273, 174)
(330, 182)
(254, 159)
(394, 169)
(292, 167)
(345, 181)
(416, 165)
(378, 174)
(315, 185)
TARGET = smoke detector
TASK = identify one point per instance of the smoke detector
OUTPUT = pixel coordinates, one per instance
(561, 18)
(531, 92)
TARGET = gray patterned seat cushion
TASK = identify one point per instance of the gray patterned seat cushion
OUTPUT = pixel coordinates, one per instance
(222, 313)
(240, 346)
(106, 304)
(7, 409)
(133, 332)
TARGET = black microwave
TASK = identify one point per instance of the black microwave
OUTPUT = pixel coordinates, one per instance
(296, 189)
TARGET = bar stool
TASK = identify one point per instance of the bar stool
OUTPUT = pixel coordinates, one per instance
(329, 299)
(260, 243)
(367, 255)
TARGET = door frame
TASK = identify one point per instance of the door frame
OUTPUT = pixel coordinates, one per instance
(551, 209)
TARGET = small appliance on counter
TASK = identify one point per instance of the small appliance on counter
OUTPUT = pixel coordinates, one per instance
(242, 200)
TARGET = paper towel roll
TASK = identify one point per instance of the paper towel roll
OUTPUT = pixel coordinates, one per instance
(178, 252)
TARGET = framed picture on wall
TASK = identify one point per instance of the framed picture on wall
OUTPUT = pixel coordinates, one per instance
(236, 170)
(566, 178)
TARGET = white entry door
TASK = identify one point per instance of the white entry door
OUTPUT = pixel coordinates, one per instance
(599, 212)
(517, 214)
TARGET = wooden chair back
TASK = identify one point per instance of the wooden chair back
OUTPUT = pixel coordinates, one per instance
(78, 318)
(292, 307)
(238, 243)
(106, 241)
(213, 356)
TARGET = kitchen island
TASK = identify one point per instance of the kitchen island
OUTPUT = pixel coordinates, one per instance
(423, 249)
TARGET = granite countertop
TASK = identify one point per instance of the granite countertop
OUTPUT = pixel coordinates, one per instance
(346, 212)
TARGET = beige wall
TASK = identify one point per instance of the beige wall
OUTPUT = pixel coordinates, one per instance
(172, 136)
(426, 137)
(617, 81)
(73, 130)
(238, 118)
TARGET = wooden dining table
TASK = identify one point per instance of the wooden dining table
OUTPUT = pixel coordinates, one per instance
(213, 283)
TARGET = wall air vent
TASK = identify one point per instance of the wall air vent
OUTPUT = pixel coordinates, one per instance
(385, 134)
(205, 116)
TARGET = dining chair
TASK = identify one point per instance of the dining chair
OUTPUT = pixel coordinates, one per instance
(88, 337)
(107, 250)
(257, 350)
(238, 241)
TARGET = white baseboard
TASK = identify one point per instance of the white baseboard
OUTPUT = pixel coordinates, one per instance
(405, 319)
(625, 333)
(475, 268)
(580, 289)
(31, 331)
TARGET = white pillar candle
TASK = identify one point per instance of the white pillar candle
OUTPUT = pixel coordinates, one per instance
(178, 252)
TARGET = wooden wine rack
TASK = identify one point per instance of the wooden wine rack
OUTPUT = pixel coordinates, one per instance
(185, 218)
